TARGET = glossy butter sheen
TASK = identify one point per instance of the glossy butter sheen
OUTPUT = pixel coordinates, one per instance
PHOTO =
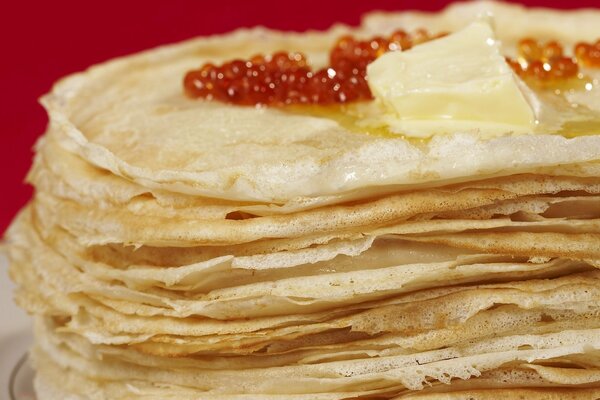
(459, 82)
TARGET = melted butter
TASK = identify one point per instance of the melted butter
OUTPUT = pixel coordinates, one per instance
(349, 116)
(472, 90)
(571, 118)
(563, 117)
(560, 86)
(573, 129)
(356, 118)
(584, 120)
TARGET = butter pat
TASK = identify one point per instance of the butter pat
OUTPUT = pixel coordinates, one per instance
(457, 83)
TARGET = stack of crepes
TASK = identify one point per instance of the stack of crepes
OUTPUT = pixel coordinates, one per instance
(185, 249)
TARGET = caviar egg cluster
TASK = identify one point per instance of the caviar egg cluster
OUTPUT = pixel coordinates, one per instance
(588, 54)
(547, 62)
(286, 78)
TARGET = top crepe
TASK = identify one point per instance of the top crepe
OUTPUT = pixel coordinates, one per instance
(130, 116)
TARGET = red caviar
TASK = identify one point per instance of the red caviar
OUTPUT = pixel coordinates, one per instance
(286, 78)
(547, 63)
(588, 54)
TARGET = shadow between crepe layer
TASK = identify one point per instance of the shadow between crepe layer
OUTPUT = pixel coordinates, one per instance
(110, 224)
(65, 291)
(384, 373)
(67, 176)
(372, 272)
(486, 385)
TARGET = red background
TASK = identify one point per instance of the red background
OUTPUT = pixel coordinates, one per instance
(42, 41)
